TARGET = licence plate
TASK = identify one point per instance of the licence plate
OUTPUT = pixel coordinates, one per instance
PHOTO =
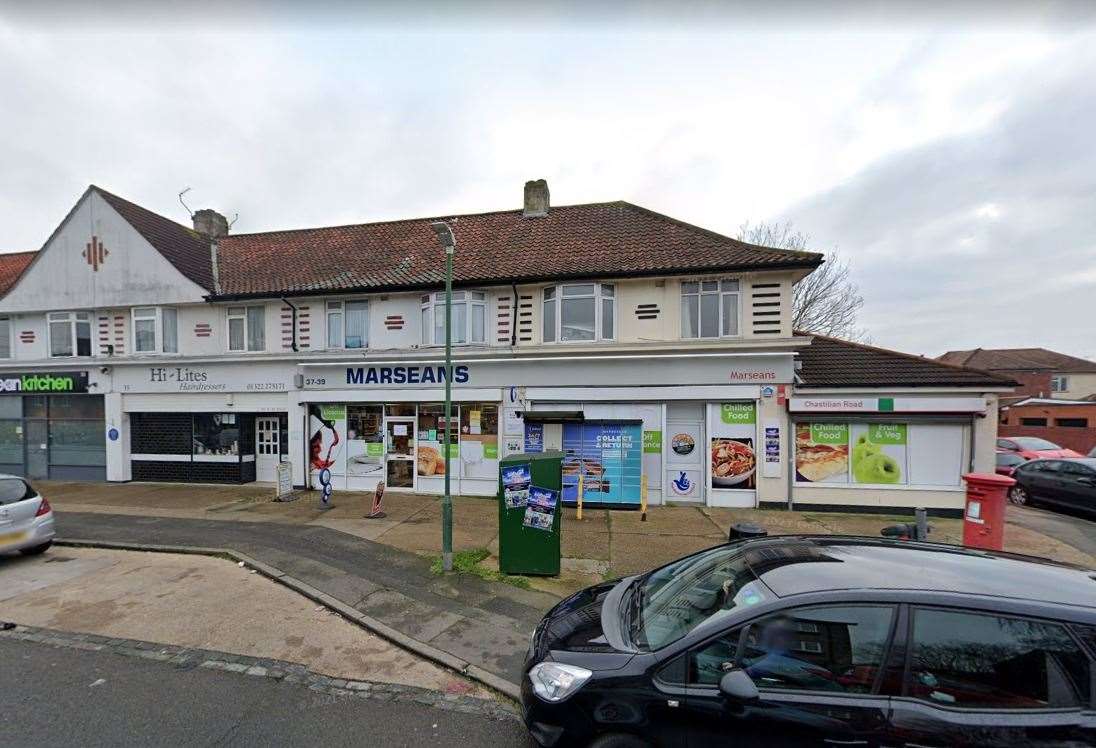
(11, 538)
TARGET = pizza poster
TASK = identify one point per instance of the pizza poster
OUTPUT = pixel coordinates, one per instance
(822, 452)
(732, 431)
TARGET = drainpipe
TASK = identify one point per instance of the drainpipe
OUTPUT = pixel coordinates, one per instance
(293, 343)
(514, 317)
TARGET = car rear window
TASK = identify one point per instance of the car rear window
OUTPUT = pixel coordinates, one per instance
(1031, 442)
(13, 490)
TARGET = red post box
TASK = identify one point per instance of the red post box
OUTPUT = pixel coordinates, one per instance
(984, 515)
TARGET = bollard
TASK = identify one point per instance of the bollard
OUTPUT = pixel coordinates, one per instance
(922, 523)
(578, 513)
(643, 499)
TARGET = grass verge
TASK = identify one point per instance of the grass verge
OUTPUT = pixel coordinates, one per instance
(468, 562)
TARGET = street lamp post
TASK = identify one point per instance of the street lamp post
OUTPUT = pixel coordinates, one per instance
(449, 244)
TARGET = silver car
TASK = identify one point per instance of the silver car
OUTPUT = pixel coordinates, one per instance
(26, 518)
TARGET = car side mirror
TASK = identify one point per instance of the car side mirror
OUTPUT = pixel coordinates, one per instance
(737, 685)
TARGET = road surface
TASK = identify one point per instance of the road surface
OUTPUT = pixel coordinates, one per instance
(1074, 528)
(69, 697)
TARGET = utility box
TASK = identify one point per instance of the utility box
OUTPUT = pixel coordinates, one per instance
(530, 513)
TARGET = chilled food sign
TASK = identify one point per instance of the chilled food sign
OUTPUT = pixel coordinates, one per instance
(47, 382)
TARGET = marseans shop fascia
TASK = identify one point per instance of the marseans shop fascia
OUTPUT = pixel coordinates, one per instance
(641, 345)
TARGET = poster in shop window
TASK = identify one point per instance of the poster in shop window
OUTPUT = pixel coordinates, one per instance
(822, 452)
(327, 432)
(879, 453)
(733, 429)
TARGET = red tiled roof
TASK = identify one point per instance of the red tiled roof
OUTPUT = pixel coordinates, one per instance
(184, 248)
(12, 266)
(577, 241)
(1018, 359)
(831, 362)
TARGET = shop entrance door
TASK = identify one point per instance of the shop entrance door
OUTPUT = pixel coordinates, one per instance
(399, 450)
(268, 448)
(37, 445)
(685, 460)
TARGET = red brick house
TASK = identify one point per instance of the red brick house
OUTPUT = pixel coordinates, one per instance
(1041, 373)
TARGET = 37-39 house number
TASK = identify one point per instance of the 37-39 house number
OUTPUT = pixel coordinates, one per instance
(315, 381)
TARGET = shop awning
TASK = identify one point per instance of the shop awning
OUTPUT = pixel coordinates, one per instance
(553, 416)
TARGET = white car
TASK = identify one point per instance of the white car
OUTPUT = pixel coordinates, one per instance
(26, 518)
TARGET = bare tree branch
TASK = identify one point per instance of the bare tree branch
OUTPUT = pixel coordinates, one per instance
(827, 301)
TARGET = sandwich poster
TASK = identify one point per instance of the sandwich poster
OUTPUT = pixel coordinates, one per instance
(822, 452)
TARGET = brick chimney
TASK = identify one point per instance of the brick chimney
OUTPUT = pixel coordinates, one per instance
(536, 199)
(210, 223)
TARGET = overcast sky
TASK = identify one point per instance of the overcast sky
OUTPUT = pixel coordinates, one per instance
(950, 158)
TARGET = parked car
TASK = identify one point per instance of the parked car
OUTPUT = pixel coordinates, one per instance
(1031, 447)
(821, 641)
(1008, 461)
(26, 518)
(1066, 483)
(1092, 452)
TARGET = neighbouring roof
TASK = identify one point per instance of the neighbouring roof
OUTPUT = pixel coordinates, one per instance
(1049, 401)
(183, 247)
(12, 266)
(576, 241)
(831, 362)
(1018, 359)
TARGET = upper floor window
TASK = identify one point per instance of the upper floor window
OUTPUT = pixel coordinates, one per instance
(348, 324)
(1059, 383)
(246, 328)
(69, 334)
(579, 312)
(709, 309)
(469, 317)
(155, 330)
(5, 337)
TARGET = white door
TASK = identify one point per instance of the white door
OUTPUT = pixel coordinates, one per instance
(268, 448)
(685, 461)
(399, 464)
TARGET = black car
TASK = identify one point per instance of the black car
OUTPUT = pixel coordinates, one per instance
(1066, 483)
(821, 641)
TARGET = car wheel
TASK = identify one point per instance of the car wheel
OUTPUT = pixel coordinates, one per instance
(619, 740)
(1018, 495)
(36, 549)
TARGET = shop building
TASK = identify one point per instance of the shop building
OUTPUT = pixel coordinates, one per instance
(655, 353)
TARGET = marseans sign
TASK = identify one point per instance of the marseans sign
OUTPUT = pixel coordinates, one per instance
(404, 374)
(557, 371)
(49, 382)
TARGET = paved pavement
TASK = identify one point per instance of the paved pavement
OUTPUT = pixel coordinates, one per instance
(69, 697)
(484, 624)
(1073, 529)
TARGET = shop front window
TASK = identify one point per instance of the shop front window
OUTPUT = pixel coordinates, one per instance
(479, 440)
(11, 442)
(364, 440)
(469, 317)
(76, 442)
(216, 434)
(431, 439)
(879, 454)
(69, 334)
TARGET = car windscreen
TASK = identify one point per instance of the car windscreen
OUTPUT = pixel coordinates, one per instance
(13, 490)
(1031, 442)
(672, 601)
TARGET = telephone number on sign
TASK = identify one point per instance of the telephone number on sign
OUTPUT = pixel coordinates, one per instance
(265, 387)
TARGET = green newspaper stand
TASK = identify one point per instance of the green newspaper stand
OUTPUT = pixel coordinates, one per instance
(530, 507)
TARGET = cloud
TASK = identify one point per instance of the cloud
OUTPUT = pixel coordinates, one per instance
(986, 238)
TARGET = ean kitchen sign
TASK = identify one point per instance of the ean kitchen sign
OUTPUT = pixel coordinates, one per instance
(46, 381)
(887, 405)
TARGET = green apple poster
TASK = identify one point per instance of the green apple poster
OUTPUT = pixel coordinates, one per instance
(879, 453)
